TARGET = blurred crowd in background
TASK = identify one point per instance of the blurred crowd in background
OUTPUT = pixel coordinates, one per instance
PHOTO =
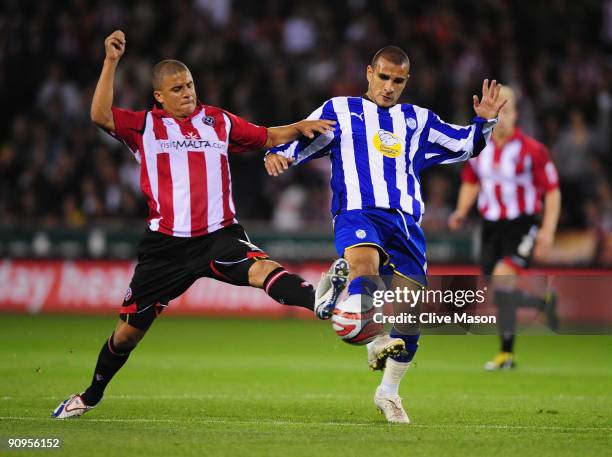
(274, 62)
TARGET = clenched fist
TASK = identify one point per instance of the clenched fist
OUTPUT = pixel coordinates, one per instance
(115, 45)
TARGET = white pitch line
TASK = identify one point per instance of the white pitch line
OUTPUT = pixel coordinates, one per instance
(208, 397)
(328, 396)
(341, 424)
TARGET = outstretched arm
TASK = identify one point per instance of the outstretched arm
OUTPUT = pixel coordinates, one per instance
(102, 102)
(448, 143)
(288, 133)
(309, 146)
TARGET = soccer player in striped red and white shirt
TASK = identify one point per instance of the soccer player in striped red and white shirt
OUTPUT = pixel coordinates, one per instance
(516, 184)
(182, 146)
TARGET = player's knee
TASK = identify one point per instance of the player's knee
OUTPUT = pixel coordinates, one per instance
(504, 268)
(504, 275)
(363, 261)
(126, 338)
(260, 270)
(364, 266)
(125, 343)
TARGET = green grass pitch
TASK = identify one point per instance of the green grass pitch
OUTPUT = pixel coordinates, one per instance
(209, 387)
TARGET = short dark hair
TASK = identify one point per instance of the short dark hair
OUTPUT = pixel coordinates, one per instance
(165, 68)
(393, 54)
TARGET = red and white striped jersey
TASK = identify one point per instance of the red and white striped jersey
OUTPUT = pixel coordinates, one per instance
(513, 178)
(184, 169)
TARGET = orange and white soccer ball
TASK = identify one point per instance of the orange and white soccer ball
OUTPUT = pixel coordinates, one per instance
(354, 322)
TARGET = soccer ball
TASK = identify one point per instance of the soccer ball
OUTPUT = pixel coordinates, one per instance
(354, 322)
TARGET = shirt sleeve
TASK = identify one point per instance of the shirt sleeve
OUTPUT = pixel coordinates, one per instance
(129, 126)
(468, 174)
(544, 172)
(449, 143)
(306, 149)
(245, 136)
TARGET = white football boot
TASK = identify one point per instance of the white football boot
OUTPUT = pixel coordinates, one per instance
(330, 287)
(381, 348)
(391, 407)
(72, 407)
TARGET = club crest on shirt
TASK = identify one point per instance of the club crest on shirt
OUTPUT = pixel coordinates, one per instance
(387, 143)
(411, 123)
(128, 294)
(209, 120)
(361, 234)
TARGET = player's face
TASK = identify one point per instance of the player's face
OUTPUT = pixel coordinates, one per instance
(506, 120)
(386, 82)
(177, 94)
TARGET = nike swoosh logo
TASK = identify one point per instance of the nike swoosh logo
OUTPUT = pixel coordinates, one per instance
(67, 409)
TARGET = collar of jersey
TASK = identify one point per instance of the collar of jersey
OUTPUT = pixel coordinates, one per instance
(160, 112)
(365, 97)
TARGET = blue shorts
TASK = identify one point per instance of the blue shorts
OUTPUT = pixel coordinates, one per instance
(396, 234)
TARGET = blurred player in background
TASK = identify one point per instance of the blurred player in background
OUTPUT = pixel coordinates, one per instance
(378, 151)
(510, 178)
(182, 146)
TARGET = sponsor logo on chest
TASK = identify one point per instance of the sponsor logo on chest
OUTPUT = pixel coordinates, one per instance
(387, 143)
(191, 144)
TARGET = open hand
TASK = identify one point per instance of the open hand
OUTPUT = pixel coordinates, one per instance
(115, 45)
(309, 128)
(490, 105)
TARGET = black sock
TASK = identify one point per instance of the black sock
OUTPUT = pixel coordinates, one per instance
(524, 300)
(506, 311)
(507, 343)
(289, 289)
(507, 302)
(110, 362)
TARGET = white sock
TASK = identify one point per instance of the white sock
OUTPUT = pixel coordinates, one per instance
(394, 372)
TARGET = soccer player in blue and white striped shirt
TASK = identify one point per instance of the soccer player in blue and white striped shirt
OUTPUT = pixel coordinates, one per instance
(378, 150)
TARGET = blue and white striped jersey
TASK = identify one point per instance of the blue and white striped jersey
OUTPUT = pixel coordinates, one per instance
(378, 154)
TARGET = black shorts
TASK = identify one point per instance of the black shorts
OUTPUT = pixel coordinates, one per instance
(510, 240)
(168, 265)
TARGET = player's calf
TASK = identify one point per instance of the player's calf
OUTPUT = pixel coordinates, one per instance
(289, 289)
(387, 398)
(110, 360)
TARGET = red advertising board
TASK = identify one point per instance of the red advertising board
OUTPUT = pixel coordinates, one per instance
(93, 287)
(99, 287)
